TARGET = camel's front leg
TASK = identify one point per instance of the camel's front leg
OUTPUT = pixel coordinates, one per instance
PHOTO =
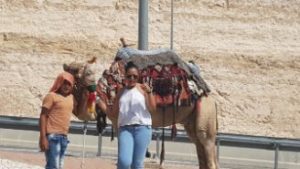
(206, 130)
(190, 127)
(201, 155)
(209, 149)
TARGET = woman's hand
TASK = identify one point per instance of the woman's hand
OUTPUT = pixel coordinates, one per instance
(149, 97)
(146, 88)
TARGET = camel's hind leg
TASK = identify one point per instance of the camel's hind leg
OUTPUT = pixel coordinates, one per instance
(206, 130)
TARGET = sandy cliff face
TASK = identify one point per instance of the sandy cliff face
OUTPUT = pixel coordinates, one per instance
(249, 54)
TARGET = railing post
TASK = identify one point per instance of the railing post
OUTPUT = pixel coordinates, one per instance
(276, 156)
(99, 145)
(82, 165)
(218, 149)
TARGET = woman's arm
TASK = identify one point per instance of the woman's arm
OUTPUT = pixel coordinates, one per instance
(150, 102)
(101, 104)
(114, 109)
(149, 97)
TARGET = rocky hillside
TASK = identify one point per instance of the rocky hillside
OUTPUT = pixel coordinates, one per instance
(249, 53)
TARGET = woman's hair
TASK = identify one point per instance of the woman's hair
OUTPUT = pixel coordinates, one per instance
(130, 65)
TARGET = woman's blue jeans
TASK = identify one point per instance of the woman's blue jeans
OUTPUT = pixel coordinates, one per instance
(56, 151)
(133, 141)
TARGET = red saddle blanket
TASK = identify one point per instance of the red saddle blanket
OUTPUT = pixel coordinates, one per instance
(169, 82)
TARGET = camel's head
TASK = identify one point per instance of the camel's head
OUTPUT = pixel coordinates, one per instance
(84, 73)
(85, 88)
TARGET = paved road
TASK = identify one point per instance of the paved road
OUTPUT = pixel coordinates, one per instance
(230, 157)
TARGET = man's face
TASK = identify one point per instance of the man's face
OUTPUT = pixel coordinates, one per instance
(66, 88)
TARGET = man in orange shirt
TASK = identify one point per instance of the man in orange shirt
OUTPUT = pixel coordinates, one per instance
(55, 120)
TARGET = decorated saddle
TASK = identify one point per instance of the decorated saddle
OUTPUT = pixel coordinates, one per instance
(172, 79)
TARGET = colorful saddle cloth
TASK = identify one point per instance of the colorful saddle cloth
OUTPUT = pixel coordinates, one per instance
(169, 76)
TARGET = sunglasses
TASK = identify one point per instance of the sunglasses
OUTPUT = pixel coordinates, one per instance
(132, 77)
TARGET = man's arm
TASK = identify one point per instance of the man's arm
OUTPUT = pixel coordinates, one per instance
(43, 131)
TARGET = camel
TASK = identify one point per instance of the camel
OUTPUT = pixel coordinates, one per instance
(199, 118)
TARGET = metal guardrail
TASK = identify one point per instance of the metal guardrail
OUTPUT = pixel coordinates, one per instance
(235, 140)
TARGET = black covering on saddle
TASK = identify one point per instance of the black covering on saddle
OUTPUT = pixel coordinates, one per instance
(163, 87)
(144, 59)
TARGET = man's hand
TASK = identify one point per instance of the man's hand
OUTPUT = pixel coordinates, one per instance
(44, 145)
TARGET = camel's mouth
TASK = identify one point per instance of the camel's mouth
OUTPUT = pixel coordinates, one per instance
(91, 88)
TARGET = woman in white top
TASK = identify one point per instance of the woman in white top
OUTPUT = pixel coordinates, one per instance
(133, 106)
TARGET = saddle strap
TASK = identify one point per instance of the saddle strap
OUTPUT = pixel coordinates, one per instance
(162, 153)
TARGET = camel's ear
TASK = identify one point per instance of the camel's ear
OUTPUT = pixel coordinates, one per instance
(93, 60)
(123, 41)
(72, 68)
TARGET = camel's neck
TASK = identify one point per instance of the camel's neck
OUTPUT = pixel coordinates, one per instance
(81, 99)
(78, 94)
(84, 110)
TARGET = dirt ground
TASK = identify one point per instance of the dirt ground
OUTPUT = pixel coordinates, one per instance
(71, 162)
